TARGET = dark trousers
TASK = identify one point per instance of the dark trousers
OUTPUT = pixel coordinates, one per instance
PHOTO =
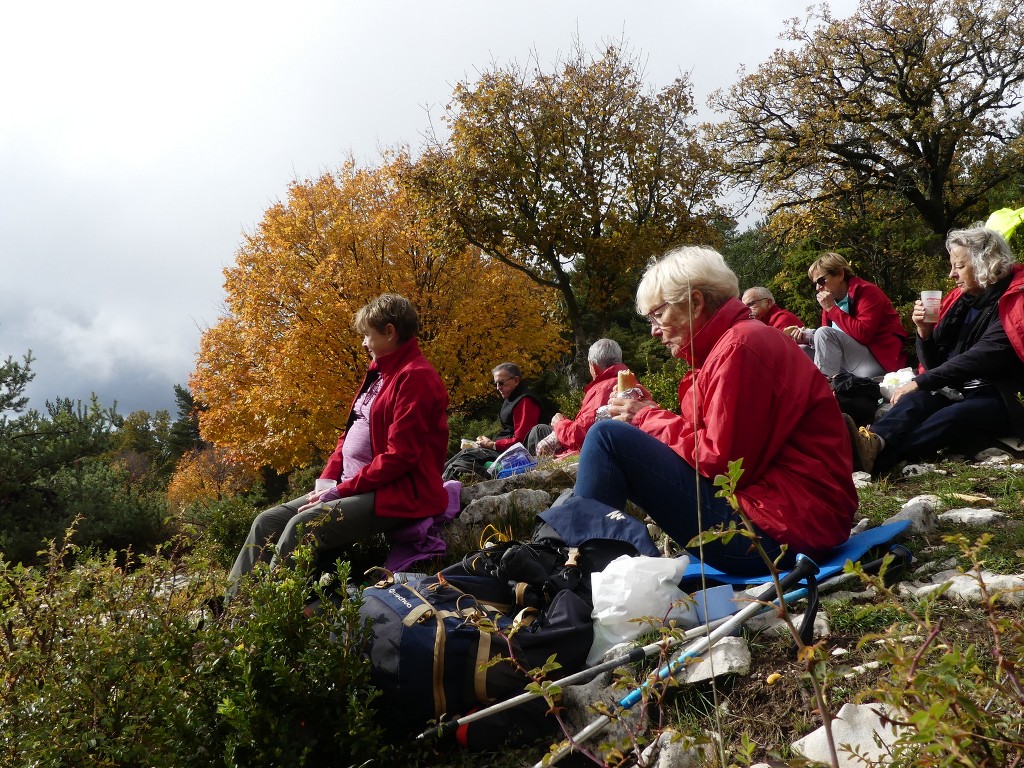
(922, 422)
(619, 462)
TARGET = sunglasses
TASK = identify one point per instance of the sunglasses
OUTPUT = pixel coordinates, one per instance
(502, 382)
(820, 282)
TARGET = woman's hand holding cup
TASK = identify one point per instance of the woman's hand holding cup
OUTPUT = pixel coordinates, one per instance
(926, 312)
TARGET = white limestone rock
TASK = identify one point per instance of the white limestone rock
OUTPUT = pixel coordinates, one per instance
(861, 479)
(729, 656)
(913, 470)
(972, 517)
(488, 509)
(992, 456)
(965, 587)
(772, 623)
(921, 512)
(856, 728)
(673, 749)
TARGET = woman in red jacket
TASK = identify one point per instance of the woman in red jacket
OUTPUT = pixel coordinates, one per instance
(751, 394)
(860, 330)
(388, 461)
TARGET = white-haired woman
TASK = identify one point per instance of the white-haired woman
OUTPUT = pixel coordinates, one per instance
(976, 349)
(751, 394)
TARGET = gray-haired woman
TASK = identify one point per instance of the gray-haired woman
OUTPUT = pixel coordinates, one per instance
(975, 349)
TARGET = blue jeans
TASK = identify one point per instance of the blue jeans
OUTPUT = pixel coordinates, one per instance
(619, 462)
(921, 423)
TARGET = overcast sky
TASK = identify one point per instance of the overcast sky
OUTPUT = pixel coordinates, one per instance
(138, 141)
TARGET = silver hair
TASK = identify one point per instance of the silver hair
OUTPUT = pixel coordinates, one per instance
(988, 250)
(685, 269)
(508, 368)
(604, 352)
(760, 292)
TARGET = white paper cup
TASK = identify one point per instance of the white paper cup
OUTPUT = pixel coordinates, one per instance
(323, 485)
(932, 300)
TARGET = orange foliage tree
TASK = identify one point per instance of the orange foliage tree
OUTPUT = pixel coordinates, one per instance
(207, 475)
(276, 374)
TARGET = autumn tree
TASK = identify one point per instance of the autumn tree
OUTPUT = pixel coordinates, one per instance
(916, 100)
(574, 178)
(207, 475)
(275, 375)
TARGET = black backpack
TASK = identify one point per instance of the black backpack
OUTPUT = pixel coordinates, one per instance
(446, 644)
(859, 397)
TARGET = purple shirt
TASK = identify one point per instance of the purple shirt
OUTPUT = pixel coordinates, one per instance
(356, 451)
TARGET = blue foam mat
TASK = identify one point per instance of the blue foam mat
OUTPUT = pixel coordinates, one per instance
(852, 549)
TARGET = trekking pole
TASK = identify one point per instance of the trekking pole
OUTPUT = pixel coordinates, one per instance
(583, 676)
(804, 568)
(901, 557)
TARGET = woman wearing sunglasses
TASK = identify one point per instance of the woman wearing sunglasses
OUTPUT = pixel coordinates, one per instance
(860, 331)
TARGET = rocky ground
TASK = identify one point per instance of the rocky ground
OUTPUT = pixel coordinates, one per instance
(759, 705)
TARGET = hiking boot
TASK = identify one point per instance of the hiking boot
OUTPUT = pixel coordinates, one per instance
(865, 443)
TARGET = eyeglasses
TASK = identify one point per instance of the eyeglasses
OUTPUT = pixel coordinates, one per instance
(654, 316)
(820, 282)
(752, 302)
(502, 382)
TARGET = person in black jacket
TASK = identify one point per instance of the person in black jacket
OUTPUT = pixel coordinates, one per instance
(520, 413)
(973, 374)
(520, 410)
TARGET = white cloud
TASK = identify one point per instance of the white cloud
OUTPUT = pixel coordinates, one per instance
(137, 141)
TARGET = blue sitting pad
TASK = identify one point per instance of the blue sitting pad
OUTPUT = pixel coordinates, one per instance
(852, 549)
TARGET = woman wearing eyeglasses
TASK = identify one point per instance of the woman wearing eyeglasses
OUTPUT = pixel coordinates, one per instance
(860, 330)
(750, 395)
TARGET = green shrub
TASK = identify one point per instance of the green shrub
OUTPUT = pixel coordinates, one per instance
(663, 383)
(220, 526)
(461, 426)
(568, 402)
(958, 698)
(103, 665)
(115, 512)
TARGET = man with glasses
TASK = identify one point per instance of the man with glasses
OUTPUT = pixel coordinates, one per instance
(762, 306)
(520, 413)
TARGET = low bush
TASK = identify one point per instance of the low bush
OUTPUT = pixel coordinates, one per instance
(219, 526)
(114, 666)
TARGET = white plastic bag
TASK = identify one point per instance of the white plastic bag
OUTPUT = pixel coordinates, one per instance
(632, 588)
(892, 381)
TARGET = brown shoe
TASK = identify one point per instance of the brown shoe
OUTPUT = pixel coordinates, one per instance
(865, 444)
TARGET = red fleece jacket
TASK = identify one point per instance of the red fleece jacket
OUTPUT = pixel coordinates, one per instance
(873, 322)
(780, 318)
(408, 438)
(570, 432)
(754, 395)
